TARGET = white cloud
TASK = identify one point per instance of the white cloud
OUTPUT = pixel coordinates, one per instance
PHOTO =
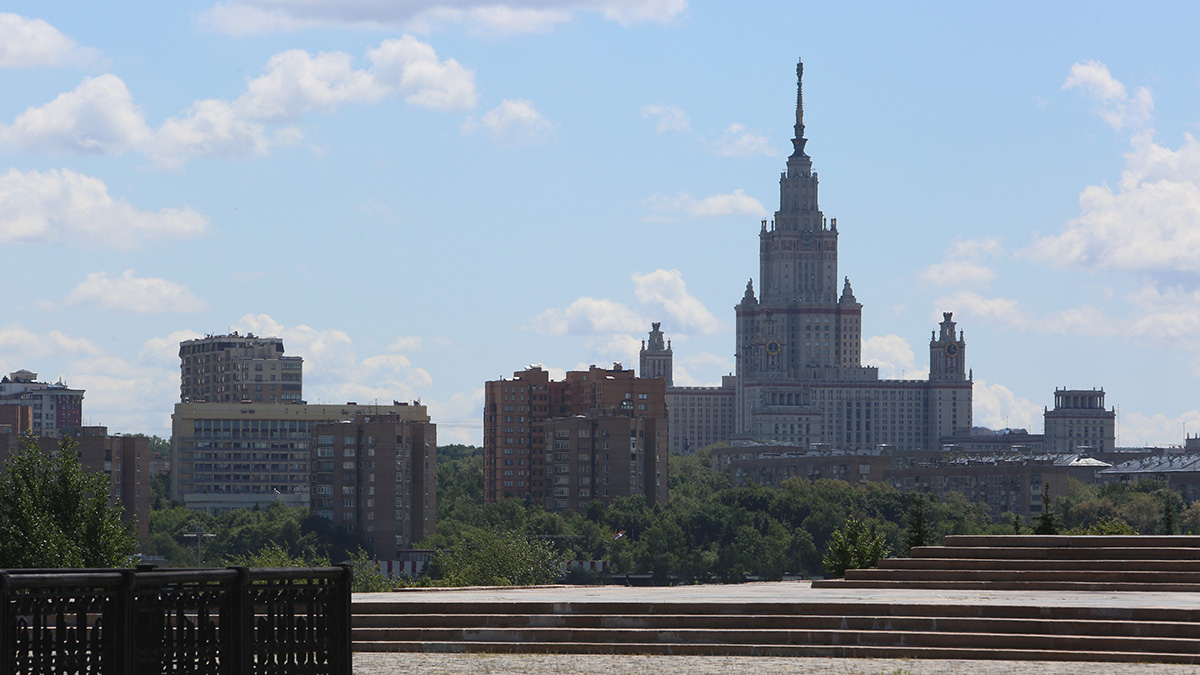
(1117, 108)
(97, 117)
(459, 418)
(1150, 223)
(64, 205)
(737, 141)
(241, 17)
(100, 117)
(589, 316)
(687, 369)
(665, 291)
(18, 343)
(409, 343)
(997, 407)
(144, 295)
(513, 122)
(164, 351)
(893, 356)
(997, 310)
(1139, 429)
(964, 264)
(26, 43)
(670, 117)
(737, 202)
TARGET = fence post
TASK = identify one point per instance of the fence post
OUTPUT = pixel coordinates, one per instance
(237, 639)
(7, 625)
(121, 638)
(342, 658)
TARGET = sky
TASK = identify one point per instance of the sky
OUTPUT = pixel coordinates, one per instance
(422, 196)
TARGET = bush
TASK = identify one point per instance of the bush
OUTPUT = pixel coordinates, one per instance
(854, 545)
(500, 559)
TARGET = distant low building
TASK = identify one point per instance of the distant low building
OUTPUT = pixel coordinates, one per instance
(54, 407)
(1180, 473)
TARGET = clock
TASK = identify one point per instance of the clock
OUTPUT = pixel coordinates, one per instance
(773, 347)
(952, 349)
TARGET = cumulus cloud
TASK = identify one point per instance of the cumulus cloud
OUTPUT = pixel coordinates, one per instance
(893, 356)
(57, 206)
(702, 369)
(1117, 107)
(97, 118)
(130, 293)
(513, 122)
(27, 43)
(666, 292)
(408, 343)
(737, 141)
(997, 407)
(18, 343)
(589, 316)
(670, 117)
(100, 117)
(997, 310)
(1149, 223)
(240, 17)
(735, 203)
(965, 264)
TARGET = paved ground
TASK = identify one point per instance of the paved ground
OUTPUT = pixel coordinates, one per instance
(800, 592)
(574, 664)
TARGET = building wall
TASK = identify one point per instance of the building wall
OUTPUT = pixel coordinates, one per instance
(601, 457)
(518, 414)
(227, 456)
(54, 407)
(235, 368)
(1080, 423)
(377, 474)
(700, 416)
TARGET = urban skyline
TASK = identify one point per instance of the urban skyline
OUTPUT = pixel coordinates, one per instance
(375, 175)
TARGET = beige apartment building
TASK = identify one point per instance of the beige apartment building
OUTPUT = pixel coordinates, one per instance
(240, 455)
(239, 368)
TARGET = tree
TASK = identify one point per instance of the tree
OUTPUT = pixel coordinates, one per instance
(1047, 521)
(918, 529)
(854, 545)
(54, 513)
(490, 558)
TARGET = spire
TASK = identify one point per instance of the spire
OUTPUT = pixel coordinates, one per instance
(799, 141)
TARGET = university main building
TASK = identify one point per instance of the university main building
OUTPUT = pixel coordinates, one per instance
(800, 379)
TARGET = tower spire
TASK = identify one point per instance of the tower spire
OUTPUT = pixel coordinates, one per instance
(799, 141)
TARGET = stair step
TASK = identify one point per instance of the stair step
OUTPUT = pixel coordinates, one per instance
(946, 563)
(1009, 585)
(377, 626)
(1054, 553)
(828, 651)
(1141, 541)
(1136, 576)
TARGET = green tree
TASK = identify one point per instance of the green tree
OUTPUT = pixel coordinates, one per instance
(491, 558)
(54, 513)
(917, 533)
(1047, 521)
(854, 545)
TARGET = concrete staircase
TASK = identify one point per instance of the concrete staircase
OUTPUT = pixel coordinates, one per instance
(866, 624)
(1032, 562)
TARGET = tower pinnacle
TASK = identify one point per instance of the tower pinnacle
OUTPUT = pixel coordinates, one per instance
(799, 141)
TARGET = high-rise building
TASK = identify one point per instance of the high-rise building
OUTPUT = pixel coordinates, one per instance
(800, 378)
(1080, 423)
(523, 427)
(238, 368)
(377, 474)
(656, 360)
(54, 407)
(239, 455)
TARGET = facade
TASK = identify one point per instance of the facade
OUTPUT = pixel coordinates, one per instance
(517, 431)
(236, 455)
(657, 360)
(377, 474)
(1179, 472)
(54, 407)
(238, 368)
(598, 457)
(800, 379)
(700, 416)
(1080, 423)
(759, 464)
(124, 460)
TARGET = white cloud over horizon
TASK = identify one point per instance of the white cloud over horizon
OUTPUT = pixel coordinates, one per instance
(511, 123)
(63, 206)
(130, 293)
(32, 43)
(100, 117)
(505, 17)
(734, 203)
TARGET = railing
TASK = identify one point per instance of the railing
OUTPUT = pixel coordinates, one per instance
(143, 621)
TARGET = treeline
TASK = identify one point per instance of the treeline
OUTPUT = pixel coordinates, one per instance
(709, 531)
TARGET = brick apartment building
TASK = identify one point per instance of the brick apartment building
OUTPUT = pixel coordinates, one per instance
(534, 447)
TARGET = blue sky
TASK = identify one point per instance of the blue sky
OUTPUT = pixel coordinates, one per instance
(422, 196)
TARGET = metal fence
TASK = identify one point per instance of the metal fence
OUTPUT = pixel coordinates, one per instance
(143, 621)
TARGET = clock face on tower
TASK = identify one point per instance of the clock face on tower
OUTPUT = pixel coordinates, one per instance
(952, 350)
(773, 347)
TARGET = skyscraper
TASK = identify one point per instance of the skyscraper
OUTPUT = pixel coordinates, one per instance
(800, 378)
